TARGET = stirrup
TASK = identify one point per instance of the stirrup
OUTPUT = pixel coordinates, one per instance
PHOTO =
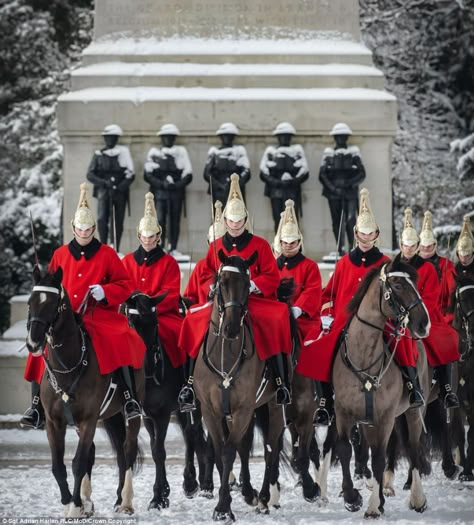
(283, 396)
(415, 398)
(132, 409)
(32, 419)
(451, 400)
(321, 418)
(187, 399)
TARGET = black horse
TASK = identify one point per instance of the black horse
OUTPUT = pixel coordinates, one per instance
(162, 386)
(463, 303)
(227, 379)
(73, 390)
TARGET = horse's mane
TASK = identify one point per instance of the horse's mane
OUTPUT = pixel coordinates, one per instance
(396, 265)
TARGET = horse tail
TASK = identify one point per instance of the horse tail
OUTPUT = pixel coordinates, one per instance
(116, 432)
(439, 431)
(262, 422)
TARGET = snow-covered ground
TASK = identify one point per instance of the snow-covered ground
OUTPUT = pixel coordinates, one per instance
(28, 489)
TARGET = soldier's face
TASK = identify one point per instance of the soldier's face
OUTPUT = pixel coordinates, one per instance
(110, 140)
(466, 260)
(409, 251)
(168, 140)
(427, 251)
(235, 228)
(84, 237)
(148, 243)
(365, 241)
(290, 248)
(284, 139)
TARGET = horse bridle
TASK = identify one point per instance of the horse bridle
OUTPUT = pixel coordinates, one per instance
(465, 316)
(48, 325)
(223, 306)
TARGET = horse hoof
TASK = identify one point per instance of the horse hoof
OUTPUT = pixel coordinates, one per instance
(227, 517)
(354, 506)
(119, 509)
(389, 492)
(372, 515)
(208, 494)
(313, 494)
(452, 472)
(322, 501)
(88, 509)
(466, 477)
(419, 509)
(191, 493)
(407, 486)
(251, 499)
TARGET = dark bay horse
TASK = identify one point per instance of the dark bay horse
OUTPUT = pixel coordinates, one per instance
(368, 386)
(73, 391)
(227, 379)
(162, 386)
(463, 303)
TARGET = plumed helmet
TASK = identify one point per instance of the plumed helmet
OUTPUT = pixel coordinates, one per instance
(235, 209)
(426, 235)
(409, 236)
(227, 128)
(168, 129)
(217, 229)
(148, 224)
(365, 221)
(284, 128)
(113, 129)
(341, 129)
(83, 218)
(289, 229)
(465, 244)
(276, 246)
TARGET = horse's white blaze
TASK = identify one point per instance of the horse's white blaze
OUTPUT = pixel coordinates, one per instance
(374, 501)
(388, 488)
(274, 495)
(323, 473)
(127, 491)
(417, 496)
(86, 488)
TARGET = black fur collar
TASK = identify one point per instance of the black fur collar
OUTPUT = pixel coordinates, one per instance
(290, 262)
(88, 251)
(239, 242)
(141, 256)
(360, 258)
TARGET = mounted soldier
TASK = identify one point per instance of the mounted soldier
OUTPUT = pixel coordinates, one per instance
(97, 283)
(269, 318)
(154, 272)
(442, 342)
(111, 173)
(225, 160)
(168, 171)
(283, 169)
(340, 173)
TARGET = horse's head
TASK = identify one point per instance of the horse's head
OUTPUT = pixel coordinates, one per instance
(463, 304)
(232, 292)
(400, 294)
(140, 310)
(44, 307)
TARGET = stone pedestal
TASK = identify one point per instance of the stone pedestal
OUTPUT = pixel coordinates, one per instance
(198, 63)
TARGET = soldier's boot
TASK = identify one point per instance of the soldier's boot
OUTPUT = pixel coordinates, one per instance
(325, 411)
(415, 394)
(34, 415)
(446, 393)
(131, 407)
(279, 366)
(187, 396)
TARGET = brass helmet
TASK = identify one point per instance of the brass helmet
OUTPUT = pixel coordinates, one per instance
(289, 230)
(365, 221)
(148, 224)
(409, 236)
(217, 229)
(235, 209)
(426, 235)
(465, 244)
(276, 246)
(83, 218)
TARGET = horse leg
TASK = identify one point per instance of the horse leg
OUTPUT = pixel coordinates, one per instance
(226, 456)
(416, 452)
(86, 487)
(377, 500)
(56, 433)
(131, 454)
(389, 474)
(248, 492)
(305, 433)
(79, 466)
(325, 465)
(199, 441)
(157, 427)
(352, 497)
(207, 486)
(190, 483)
(361, 455)
(466, 474)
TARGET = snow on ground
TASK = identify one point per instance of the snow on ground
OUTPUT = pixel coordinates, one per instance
(28, 489)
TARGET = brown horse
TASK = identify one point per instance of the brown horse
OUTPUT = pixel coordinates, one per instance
(369, 386)
(228, 379)
(73, 391)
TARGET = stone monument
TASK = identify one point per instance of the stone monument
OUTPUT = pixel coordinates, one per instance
(199, 63)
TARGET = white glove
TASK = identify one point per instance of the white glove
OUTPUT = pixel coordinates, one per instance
(296, 311)
(97, 292)
(169, 179)
(286, 176)
(253, 287)
(326, 321)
